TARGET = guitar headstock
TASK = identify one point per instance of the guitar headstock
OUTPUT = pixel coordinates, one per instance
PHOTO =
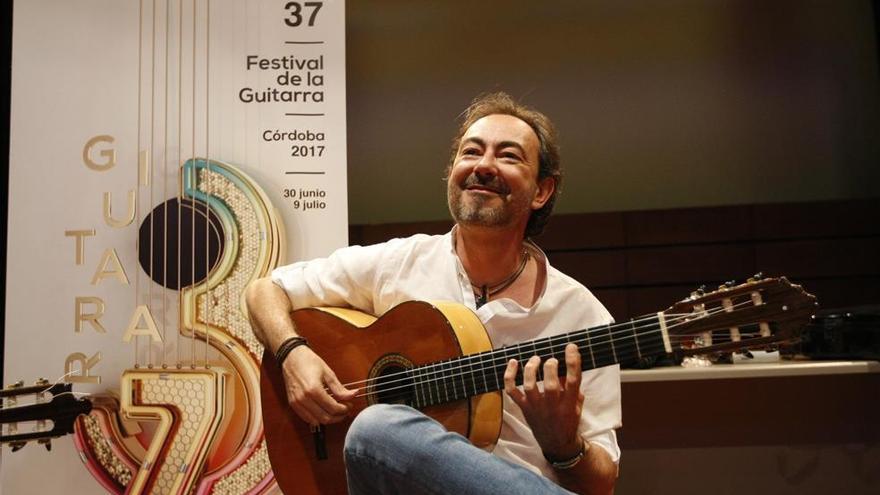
(47, 410)
(758, 314)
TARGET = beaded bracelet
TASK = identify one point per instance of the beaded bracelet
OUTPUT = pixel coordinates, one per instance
(287, 346)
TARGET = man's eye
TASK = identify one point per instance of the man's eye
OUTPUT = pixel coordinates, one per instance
(469, 151)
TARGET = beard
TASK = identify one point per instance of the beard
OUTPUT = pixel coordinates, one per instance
(484, 209)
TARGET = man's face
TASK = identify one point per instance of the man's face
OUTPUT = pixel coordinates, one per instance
(493, 181)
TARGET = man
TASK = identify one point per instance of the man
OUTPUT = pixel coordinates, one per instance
(503, 179)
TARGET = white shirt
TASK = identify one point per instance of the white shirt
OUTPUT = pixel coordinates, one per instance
(376, 278)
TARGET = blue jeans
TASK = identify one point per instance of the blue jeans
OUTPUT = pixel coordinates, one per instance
(396, 449)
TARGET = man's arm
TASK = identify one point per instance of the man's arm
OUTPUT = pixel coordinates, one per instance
(595, 473)
(554, 415)
(313, 390)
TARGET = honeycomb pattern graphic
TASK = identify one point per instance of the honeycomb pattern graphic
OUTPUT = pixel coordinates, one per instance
(247, 476)
(220, 306)
(190, 394)
(104, 454)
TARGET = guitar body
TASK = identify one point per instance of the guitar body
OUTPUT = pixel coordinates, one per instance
(358, 347)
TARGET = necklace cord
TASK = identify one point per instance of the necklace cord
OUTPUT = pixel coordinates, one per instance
(487, 291)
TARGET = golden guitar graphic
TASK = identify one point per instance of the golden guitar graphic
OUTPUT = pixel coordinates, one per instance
(438, 358)
(192, 424)
(205, 428)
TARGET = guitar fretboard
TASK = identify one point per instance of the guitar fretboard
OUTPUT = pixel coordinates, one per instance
(466, 376)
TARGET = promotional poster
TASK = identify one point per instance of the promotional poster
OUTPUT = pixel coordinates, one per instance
(163, 155)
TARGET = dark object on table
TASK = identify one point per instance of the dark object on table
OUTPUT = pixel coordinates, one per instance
(845, 333)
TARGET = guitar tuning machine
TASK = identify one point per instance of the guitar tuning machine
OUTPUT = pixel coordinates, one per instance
(16, 446)
(41, 382)
(47, 442)
(699, 292)
(757, 277)
(727, 285)
(18, 384)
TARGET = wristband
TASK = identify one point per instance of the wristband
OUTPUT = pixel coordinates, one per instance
(569, 463)
(287, 346)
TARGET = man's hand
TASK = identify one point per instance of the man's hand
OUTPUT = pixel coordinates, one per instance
(555, 413)
(313, 391)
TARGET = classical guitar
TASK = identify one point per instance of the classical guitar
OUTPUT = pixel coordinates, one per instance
(437, 357)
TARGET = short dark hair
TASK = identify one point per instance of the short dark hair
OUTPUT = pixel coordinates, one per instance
(548, 151)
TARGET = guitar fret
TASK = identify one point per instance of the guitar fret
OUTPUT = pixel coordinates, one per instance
(502, 367)
(611, 341)
(414, 373)
(495, 371)
(433, 385)
(632, 325)
(463, 383)
(426, 387)
(465, 374)
(590, 347)
(539, 373)
(558, 354)
(423, 375)
(443, 367)
(483, 374)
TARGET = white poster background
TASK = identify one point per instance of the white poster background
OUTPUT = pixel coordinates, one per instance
(75, 76)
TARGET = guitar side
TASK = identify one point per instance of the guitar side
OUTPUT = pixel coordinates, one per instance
(357, 347)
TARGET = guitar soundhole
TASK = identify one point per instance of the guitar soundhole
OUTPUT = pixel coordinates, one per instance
(391, 381)
(185, 245)
(394, 386)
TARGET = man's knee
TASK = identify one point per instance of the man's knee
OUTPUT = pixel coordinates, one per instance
(377, 425)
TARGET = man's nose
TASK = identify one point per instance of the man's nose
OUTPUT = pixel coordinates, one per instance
(486, 166)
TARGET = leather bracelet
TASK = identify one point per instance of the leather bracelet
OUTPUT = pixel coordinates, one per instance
(572, 462)
(287, 346)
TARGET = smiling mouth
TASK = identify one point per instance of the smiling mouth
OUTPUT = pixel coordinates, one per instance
(484, 190)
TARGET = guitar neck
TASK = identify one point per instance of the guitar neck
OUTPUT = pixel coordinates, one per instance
(474, 374)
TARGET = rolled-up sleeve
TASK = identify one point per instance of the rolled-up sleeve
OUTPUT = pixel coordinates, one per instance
(347, 278)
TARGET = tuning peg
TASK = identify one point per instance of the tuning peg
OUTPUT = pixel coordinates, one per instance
(727, 285)
(756, 277)
(41, 382)
(18, 384)
(16, 446)
(698, 292)
(47, 442)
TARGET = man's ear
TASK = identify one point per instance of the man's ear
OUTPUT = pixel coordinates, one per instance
(546, 186)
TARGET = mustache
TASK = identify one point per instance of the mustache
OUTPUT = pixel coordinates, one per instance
(494, 183)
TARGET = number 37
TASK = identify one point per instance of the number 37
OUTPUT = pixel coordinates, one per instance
(296, 12)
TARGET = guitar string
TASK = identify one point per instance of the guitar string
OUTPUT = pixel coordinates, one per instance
(460, 384)
(624, 328)
(644, 318)
(424, 392)
(165, 192)
(178, 169)
(492, 356)
(46, 390)
(152, 154)
(481, 366)
(58, 381)
(445, 375)
(193, 176)
(137, 204)
(207, 178)
(591, 341)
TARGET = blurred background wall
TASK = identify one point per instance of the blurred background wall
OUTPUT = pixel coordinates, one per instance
(659, 104)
